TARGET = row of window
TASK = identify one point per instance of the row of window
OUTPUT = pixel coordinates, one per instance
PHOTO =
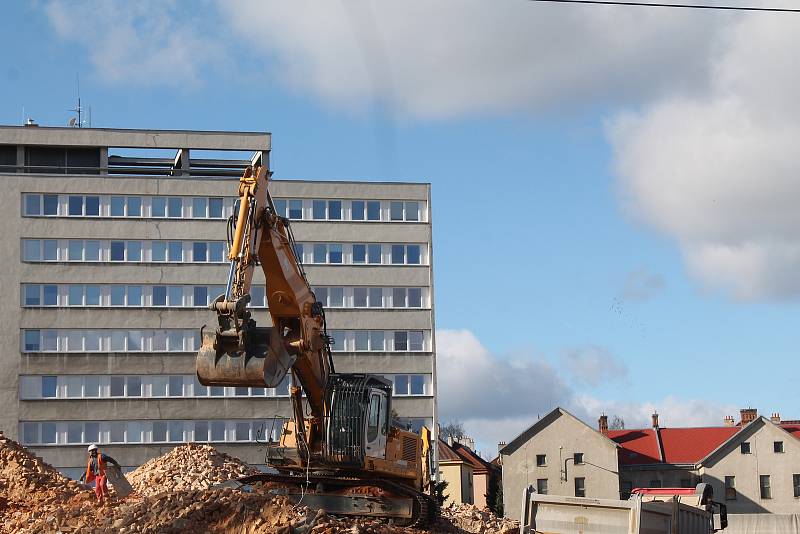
(777, 447)
(764, 484)
(96, 250)
(350, 210)
(182, 207)
(103, 432)
(579, 483)
(541, 459)
(65, 205)
(179, 340)
(175, 386)
(89, 295)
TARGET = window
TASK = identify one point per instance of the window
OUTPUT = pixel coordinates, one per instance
(415, 340)
(175, 431)
(295, 209)
(374, 254)
(200, 296)
(118, 295)
(541, 486)
(745, 447)
(401, 384)
(412, 211)
(175, 295)
(577, 458)
(318, 209)
(796, 484)
(580, 487)
(117, 384)
(75, 295)
(376, 340)
(360, 297)
(362, 340)
(199, 251)
(50, 294)
(257, 295)
(91, 341)
(31, 250)
(400, 341)
(217, 431)
(175, 250)
(49, 386)
(33, 204)
(334, 210)
(359, 253)
(375, 297)
(50, 247)
(764, 484)
(31, 295)
(320, 253)
(31, 341)
(413, 255)
(396, 211)
(175, 386)
(117, 251)
(134, 295)
(175, 207)
(75, 205)
(159, 295)
(75, 250)
(417, 384)
(91, 432)
(134, 386)
(92, 206)
(335, 253)
(91, 250)
(158, 207)
(91, 386)
(398, 254)
(336, 295)
(399, 297)
(242, 431)
(357, 210)
(199, 207)
(777, 446)
(159, 431)
(134, 207)
(48, 432)
(541, 460)
(373, 210)
(134, 250)
(30, 433)
(215, 208)
(50, 204)
(201, 431)
(216, 252)
(118, 206)
(158, 386)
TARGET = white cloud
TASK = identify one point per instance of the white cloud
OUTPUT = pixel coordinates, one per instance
(146, 42)
(464, 57)
(718, 172)
(496, 398)
(593, 365)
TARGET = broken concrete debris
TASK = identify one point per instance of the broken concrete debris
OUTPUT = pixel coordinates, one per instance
(174, 494)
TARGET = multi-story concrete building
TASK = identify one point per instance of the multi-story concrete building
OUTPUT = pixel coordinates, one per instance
(116, 243)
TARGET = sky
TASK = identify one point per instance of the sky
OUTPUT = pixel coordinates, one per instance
(614, 189)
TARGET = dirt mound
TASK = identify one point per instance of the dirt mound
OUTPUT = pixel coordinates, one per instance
(188, 467)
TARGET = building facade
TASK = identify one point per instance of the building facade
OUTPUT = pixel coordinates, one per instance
(559, 455)
(116, 245)
(753, 466)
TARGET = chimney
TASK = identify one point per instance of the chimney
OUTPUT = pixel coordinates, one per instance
(776, 418)
(450, 440)
(748, 415)
(603, 424)
(499, 448)
(655, 420)
(729, 421)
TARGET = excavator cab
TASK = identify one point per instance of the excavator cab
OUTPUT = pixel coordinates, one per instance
(358, 422)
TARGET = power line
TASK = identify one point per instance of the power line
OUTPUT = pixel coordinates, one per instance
(683, 6)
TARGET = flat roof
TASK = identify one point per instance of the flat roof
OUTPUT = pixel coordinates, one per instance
(133, 138)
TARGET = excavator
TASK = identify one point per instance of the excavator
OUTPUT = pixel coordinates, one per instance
(340, 450)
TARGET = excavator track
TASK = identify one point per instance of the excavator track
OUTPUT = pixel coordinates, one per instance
(334, 497)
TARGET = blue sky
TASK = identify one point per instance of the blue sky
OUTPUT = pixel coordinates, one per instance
(580, 249)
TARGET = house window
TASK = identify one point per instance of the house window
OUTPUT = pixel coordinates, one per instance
(777, 446)
(766, 490)
(295, 209)
(541, 486)
(730, 488)
(580, 487)
(541, 460)
(373, 210)
(745, 447)
(796, 484)
(578, 458)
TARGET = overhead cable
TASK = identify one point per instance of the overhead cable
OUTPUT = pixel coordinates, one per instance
(683, 6)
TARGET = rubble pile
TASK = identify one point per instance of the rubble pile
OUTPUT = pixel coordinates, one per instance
(187, 467)
(470, 518)
(173, 496)
(26, 477)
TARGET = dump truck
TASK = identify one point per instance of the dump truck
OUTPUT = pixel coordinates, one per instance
(647, 511)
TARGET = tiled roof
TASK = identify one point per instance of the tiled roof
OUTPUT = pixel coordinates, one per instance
(792, 427)
(637, 446)
(447, 454)
(680, 445)
(471, 458)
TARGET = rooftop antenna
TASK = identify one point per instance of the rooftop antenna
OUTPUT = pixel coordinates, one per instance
(78, 122)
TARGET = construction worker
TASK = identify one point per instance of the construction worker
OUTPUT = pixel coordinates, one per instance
(96, 471)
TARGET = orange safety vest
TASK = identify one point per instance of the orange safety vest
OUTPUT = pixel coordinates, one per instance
(101, 465)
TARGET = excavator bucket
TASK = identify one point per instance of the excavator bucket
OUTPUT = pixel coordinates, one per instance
(264, 363)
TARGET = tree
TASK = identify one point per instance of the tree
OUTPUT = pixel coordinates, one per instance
(617, 423)
(494, 495)
(437, 491)
(452, 429)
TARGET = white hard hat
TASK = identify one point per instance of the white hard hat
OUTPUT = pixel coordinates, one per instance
(91, 448)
